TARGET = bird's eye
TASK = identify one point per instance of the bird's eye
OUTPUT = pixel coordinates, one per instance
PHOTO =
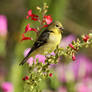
(57, 26)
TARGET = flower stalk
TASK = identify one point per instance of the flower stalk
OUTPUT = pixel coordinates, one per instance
(40, 70)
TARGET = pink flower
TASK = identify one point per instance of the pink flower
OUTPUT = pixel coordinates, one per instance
(7, 87)
(48, 19)
(3, 25)
(82, 67)
(30, 61)
(85, 66)
(60, 70)
(26, 51)
(62, 89)
(30, 13)
(52, 53)
(40, 58)
(83, 87)
(27, 17)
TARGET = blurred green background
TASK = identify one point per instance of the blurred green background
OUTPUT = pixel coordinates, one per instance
(75, 15)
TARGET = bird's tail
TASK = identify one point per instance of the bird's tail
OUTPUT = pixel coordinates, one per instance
(24, 60)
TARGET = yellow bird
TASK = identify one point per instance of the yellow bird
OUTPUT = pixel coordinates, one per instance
(47, 41)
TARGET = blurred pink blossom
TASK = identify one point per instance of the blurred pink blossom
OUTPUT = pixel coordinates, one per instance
(40, 58)
(3, 25)
(82, 67)
(65, 73)
(77, 70)
(30, 61)
(53, 54)
(7, 87)
(30, 13)
(48, 19)
(84, 86)
(62, 89)
(26, 51)
(67, 40)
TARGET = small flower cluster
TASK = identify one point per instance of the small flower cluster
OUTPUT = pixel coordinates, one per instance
(77, 73)
(31, 60)
(39, 67)
(40, 70)
(44, 22)
(74, 47)
(86, 38)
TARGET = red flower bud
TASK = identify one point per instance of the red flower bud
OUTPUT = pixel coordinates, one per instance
(33, 15)
(35, 19)
(45, 26)
(70, 45)
(73, 57)
(50, 74)
(25, 78)
(85, 38)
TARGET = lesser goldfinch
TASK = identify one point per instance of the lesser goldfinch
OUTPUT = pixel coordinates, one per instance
(47, 41)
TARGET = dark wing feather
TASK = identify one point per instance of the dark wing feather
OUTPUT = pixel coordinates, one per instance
(40, 42)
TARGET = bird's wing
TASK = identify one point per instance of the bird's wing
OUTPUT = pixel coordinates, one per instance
(43, 38)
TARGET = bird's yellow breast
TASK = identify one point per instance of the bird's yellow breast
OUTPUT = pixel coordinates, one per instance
(54, 38)
(50, 46)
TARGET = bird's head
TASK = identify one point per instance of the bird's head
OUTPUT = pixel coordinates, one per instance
(56, 26)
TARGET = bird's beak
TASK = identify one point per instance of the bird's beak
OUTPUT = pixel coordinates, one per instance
(61, 28)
